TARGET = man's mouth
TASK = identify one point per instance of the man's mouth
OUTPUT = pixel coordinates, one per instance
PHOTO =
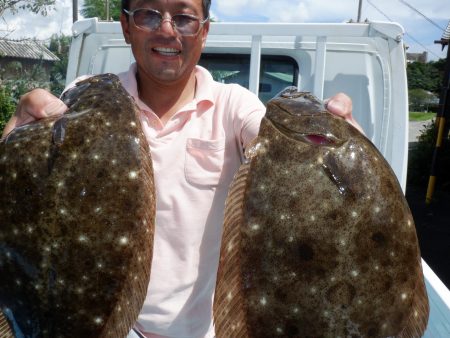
(166, 51)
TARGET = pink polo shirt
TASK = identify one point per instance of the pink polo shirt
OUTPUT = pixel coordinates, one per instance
(195, 156)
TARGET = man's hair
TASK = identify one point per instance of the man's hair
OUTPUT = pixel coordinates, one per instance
(206, 4)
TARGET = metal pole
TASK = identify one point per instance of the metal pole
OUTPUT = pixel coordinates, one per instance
(359, 11)
(74, 10)
(107, 10)
(441, 120)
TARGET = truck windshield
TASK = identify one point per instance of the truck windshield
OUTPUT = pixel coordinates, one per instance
(277, 72)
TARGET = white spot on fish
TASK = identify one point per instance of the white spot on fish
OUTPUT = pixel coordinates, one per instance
(74, 156)
(313, 290)
(14, 175)
(354, 214)
(409, 223)
(352, 155)
(355, 273)
(377, 209)
(262, 187)
(132, 175)
(343, 242)
(377, 267)
(123, 240)
(18, 282)
(229, 296)
(320, 160)
(96, 156)
(136, 140)
(62, 211)
(100, 265)
(295, 310)
(404, 296)
(82, 238)
(263, 301)
(98, 209)
(60, 184)
(290, 239)
(312, 218)
(279, 330)
(107, 123)
(98, 320)
(29, 159)
(133, 124)
(255, 227)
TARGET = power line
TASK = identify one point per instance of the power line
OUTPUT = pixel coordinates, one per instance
(409, 35)
(421, 14)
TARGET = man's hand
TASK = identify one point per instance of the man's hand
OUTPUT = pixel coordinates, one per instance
(34, 105)
(341, 105)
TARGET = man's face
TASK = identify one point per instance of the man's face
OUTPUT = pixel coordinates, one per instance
(164, 55)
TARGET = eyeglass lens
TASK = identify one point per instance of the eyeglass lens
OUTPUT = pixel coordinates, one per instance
(151, 20)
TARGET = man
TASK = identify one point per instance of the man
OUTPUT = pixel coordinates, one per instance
(197, 130)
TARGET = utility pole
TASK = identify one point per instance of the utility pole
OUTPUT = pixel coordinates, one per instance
(359, 11)
(74, 10)
(442, 117)
(107, 10)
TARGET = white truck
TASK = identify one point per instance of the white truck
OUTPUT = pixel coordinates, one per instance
(364, 60)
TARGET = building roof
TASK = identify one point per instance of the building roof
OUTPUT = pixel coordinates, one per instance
(26, 49)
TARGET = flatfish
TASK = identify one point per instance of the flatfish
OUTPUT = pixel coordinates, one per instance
(318, 238)
(77, 208)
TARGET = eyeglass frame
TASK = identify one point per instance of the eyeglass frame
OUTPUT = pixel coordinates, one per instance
(162, 19)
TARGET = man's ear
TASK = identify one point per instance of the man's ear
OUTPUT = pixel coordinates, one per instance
(205, 31)
(125, 23)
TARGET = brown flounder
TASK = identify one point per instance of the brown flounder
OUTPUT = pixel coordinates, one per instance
(318, 238)
(77, 212)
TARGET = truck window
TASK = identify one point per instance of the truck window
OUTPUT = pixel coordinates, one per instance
(277, 72)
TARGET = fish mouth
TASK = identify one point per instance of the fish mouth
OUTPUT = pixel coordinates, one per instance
(166, 51)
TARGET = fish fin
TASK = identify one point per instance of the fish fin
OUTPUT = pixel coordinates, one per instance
(5, 329)
(130, 301)
(420, 311)
(229, 310)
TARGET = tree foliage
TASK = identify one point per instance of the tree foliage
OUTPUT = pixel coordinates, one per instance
(60, 46)
(97, 8)
(36, 6)
(427, 76)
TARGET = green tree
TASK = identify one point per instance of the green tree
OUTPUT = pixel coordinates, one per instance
(7, 105)
(36, 6)
(427, 76)
(97, 8)
(422, 100)
(60, 46)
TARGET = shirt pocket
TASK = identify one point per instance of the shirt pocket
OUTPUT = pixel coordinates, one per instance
(204, 161)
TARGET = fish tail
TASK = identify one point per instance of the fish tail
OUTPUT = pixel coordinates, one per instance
(229, 308)
(5, 329)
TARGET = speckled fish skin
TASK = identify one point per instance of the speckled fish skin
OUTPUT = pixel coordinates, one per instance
(318, 238)
(77, 211)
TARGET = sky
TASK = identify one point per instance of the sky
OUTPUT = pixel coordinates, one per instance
(420, 32)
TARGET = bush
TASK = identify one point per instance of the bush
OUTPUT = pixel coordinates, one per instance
(421, 157)
(7, 105)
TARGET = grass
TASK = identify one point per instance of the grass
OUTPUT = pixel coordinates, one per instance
(421, 116)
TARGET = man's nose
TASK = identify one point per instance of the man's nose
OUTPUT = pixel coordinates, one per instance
(167, 26)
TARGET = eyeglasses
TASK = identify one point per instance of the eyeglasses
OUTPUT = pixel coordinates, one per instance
(150, 20)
